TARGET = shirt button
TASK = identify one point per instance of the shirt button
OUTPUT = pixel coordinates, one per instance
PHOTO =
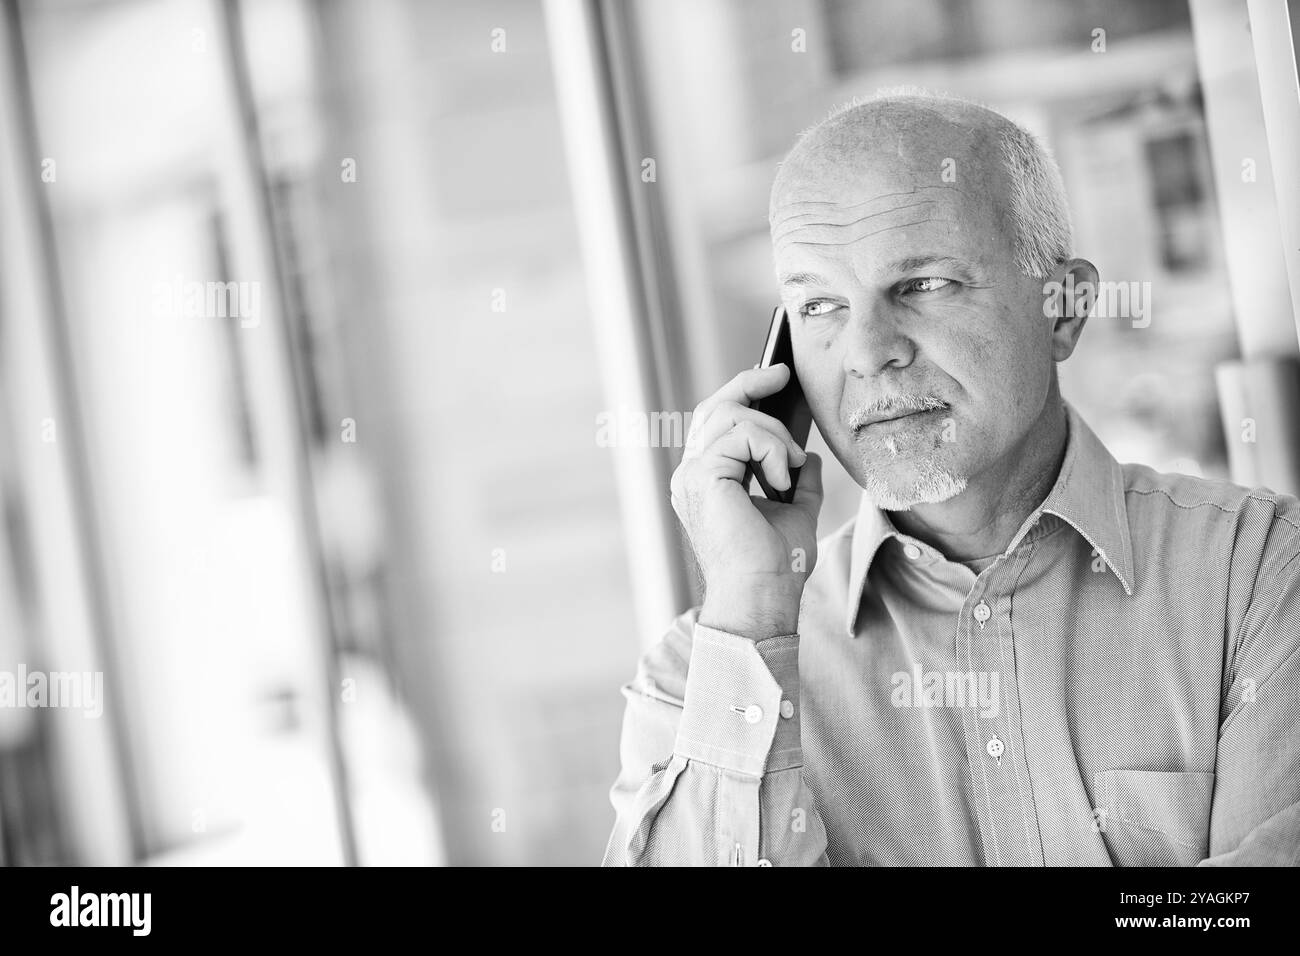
(996, 749)
(753, 714)
(764, 863)
(912, 551)
(787, 709)
(982, 612)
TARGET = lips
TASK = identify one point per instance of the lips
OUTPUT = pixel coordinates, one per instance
(876, 420)
(889, 418)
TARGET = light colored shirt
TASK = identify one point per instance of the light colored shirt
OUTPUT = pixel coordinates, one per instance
(1121, 686)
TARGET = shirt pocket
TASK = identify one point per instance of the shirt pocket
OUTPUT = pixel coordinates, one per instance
(1153, 817)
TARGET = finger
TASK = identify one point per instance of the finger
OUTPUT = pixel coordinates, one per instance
(744, 443)
(728, 414)
(808, 495)
(745, 388)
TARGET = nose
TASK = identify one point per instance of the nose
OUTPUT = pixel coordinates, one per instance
(877, 339)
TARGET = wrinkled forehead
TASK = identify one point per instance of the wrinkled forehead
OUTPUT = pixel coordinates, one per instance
(867, 227)
(887, 182)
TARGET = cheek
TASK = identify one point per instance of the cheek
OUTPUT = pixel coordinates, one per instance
(985, 348)
(1023, 353)
(821, 374)
(960, 341)
(822, 380)
(1007, 368)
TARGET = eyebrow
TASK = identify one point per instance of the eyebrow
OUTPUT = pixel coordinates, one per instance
(803, 278)
(910, 264)
(915, 263)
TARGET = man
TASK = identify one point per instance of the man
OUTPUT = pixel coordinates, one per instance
(1020, 652)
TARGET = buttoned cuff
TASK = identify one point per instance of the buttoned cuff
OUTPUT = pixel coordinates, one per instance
(741, 706)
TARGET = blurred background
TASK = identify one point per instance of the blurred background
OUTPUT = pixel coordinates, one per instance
(345, 348)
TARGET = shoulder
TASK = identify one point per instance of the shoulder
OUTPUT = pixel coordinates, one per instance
(1190, 491)
(1215, 514)
(1201, 536)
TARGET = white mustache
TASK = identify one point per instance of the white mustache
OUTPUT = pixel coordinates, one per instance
(894, 406)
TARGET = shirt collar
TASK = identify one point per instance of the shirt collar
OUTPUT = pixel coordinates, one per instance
(1088, 495)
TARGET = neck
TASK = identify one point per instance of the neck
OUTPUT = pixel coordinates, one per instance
(982, 520)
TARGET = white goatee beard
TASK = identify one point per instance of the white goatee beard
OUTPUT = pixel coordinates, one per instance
(933, 484)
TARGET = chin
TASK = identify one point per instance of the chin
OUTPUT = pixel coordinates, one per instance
(928, 482)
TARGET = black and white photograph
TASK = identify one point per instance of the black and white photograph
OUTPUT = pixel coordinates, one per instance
(597, 434)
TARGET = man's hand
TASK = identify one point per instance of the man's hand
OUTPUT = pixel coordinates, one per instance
(755, 554)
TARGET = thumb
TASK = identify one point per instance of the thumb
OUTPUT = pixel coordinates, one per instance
(808, 494)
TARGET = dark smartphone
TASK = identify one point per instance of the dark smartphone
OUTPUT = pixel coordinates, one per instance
(788, 405)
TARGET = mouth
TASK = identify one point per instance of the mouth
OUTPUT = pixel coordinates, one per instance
(902, 420)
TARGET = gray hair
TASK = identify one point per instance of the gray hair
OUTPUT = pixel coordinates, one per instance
(1038, 210)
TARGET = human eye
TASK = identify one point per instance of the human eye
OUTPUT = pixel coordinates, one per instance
(927, 284)
(817, 308)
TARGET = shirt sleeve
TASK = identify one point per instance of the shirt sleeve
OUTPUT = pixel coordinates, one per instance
(1255, 817)
(711, 761)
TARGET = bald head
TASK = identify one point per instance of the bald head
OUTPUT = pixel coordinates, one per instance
(920, 140)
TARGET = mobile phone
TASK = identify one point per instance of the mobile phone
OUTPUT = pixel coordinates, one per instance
(788, 405)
